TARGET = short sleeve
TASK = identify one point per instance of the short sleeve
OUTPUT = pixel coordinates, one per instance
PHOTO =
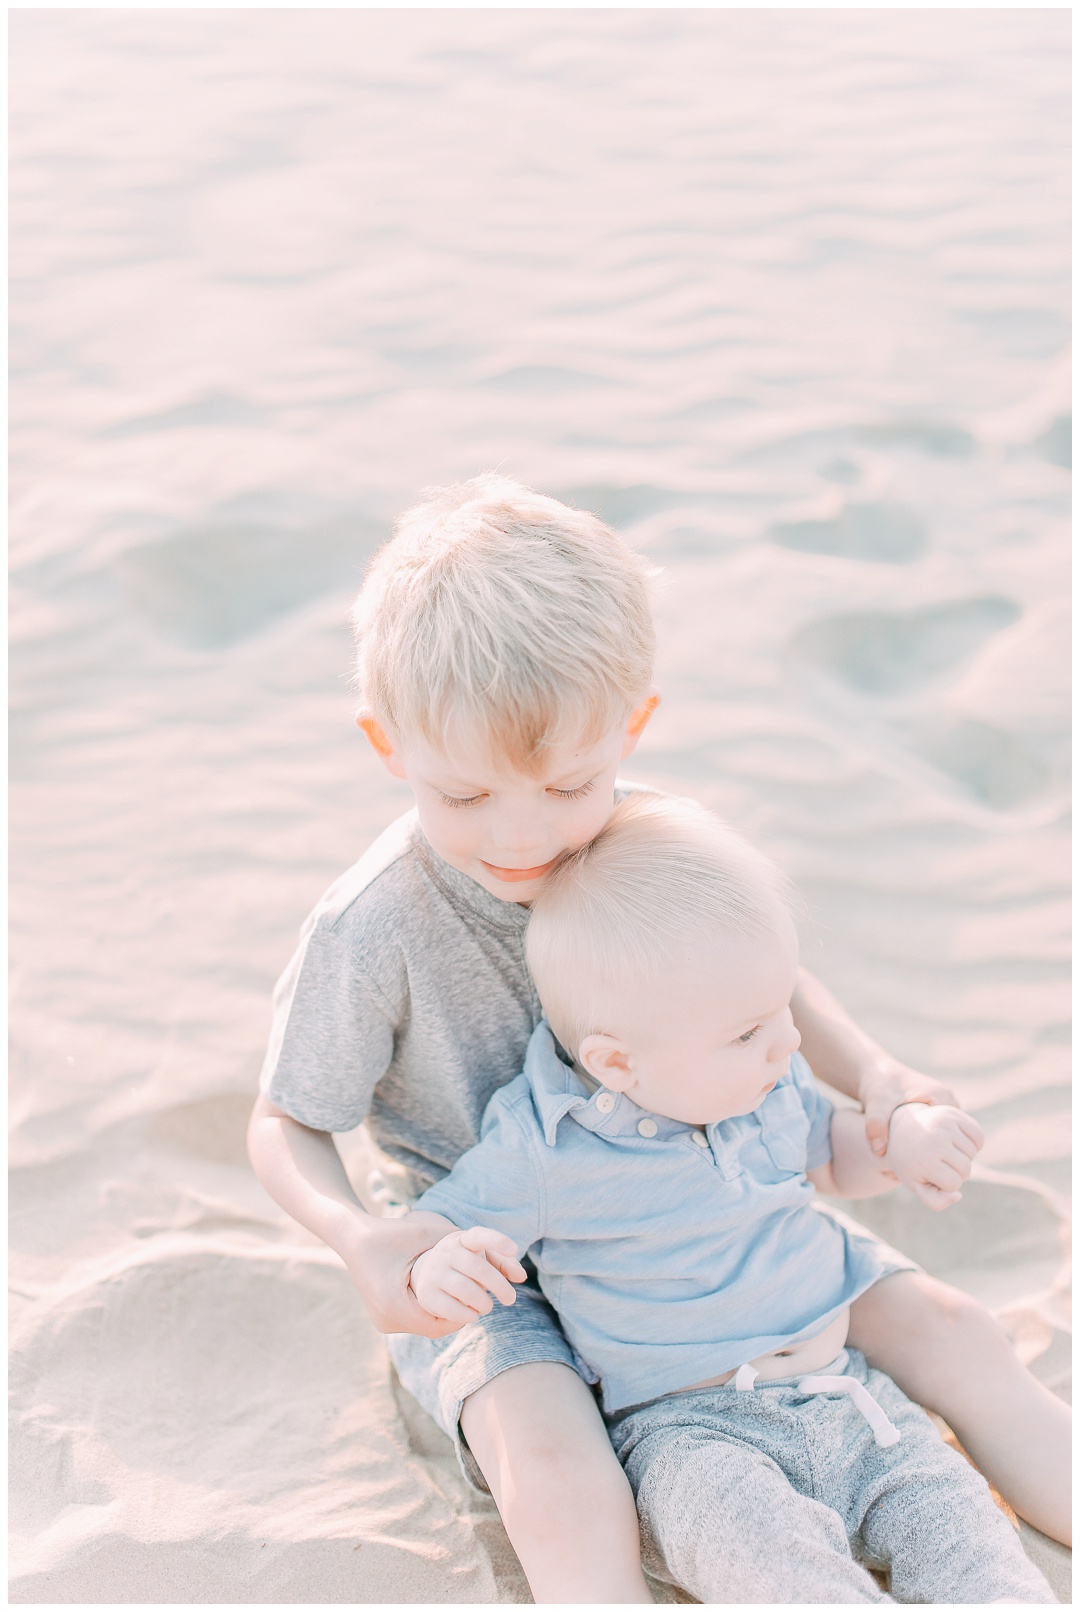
(497, 1183)
(332, 1037)
(819, 1111)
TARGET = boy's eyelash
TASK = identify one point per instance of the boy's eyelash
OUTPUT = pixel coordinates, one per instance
(748, 1035)
(471, 800)
(574, 794)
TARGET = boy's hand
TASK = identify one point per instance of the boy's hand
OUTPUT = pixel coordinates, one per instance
(454, 1280)
(888, 1084)
(931, 1149)
(379, 1256)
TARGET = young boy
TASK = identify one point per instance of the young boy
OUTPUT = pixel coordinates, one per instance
(506, 650)
(660, 1178)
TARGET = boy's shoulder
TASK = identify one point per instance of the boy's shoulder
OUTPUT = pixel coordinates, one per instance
(374, 881)
(363, 927)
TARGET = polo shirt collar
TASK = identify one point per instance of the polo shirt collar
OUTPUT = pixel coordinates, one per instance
(558, 1090)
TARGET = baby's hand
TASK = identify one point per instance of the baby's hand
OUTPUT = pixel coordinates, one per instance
(887, 1084)
(931, 1149)
(453, 1280)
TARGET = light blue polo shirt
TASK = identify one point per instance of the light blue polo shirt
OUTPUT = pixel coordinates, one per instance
(671, 1253)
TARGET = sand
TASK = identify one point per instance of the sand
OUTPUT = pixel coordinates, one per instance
(784, 295)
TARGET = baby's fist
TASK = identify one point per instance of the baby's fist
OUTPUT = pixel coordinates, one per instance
(454, 1280)
(930, 1150)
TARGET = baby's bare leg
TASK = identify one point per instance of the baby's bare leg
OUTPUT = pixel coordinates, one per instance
(541, 1443)
(948, 1353)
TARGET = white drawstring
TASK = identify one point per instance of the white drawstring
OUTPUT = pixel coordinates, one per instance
(885, 1434)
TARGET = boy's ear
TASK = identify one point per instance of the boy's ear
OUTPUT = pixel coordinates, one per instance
(376, 737)
(608, 1061)
(638, 718)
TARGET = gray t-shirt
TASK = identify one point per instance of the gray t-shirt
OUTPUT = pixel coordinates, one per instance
(407, 1004)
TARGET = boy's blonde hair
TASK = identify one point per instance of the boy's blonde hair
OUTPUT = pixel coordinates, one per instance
(495, 611)
(661, 873)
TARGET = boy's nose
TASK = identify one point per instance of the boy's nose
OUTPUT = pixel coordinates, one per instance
(520, 837)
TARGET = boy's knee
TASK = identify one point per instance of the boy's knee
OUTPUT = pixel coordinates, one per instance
(563, 1477)
(562, 1488)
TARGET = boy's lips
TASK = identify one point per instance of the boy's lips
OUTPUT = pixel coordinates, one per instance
(519, 875)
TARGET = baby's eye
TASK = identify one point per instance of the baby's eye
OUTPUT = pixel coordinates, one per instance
(573, 794)
(748, 1035)
(455, 800)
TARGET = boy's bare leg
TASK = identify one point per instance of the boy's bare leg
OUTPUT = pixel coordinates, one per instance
(947, 1352)
(541, 1443)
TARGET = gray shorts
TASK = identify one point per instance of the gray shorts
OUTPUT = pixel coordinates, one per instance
(441, 1373)
(779, 1495)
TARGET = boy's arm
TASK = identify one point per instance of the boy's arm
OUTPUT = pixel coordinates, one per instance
(849, 1060)
(303, 1173)
(930, 1150)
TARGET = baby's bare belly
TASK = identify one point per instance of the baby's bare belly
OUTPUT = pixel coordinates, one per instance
(794, 1359)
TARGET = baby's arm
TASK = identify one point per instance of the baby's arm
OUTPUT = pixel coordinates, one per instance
(489, 1205)
(930, 1150)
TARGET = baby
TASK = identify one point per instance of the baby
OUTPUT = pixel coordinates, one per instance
(657, 1160)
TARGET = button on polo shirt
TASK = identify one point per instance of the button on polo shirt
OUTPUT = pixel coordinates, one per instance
(646, 1127)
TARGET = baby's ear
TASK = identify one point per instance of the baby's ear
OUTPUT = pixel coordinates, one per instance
(377, 738)
(607, 1060)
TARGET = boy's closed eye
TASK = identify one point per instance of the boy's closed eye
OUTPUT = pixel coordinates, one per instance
(747, 1036)
(562, 794)
(457, 800)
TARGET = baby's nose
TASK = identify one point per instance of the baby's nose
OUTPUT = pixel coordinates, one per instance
(785, 1044)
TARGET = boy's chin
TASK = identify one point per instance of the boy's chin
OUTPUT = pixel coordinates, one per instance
(515, 893)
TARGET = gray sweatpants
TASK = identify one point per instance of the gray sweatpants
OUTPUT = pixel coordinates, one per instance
(777, 1495)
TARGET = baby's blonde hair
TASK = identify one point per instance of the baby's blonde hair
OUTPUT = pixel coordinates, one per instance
(662, 873)
(497, 612)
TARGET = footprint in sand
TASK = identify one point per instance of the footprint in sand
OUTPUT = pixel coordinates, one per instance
(884, 532)
(213, 1128)
(1055, 443)
(890, 655)
(991, 764)
(623, 506)
(219, 581)
(886, 653)
(934, 437)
